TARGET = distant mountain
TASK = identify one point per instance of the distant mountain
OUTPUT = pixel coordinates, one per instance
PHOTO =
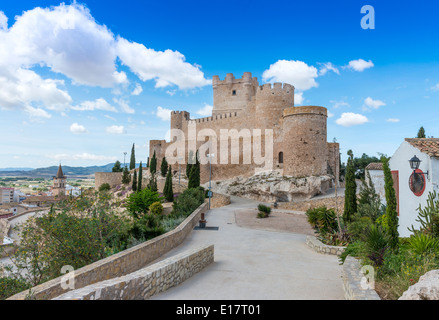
(70, 172)
(16, 169)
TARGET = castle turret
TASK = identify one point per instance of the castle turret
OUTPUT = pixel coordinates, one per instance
(233, 95)
(271, 101)
(305, 146)
(179, 119)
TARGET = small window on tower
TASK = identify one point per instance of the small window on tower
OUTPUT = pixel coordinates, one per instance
(234, 93)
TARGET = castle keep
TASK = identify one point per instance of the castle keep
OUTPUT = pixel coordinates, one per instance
(299, 145)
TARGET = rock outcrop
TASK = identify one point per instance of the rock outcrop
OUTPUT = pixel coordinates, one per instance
(427, 288)
(272, 186)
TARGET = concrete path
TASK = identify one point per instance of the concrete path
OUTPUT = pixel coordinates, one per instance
(256, 264)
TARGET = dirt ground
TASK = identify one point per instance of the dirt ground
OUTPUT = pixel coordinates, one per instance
(277, 221)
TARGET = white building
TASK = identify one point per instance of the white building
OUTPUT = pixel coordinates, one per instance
(6, 195)
(376, 173)
(412, 190)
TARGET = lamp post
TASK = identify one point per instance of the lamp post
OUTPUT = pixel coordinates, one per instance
(414, 165)
(124, 154)
(210, 156)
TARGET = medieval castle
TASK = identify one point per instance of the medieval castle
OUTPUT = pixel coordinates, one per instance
(299, 139)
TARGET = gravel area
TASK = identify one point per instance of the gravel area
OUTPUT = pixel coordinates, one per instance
(277, 221)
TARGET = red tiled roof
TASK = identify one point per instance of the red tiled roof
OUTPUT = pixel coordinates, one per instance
(375, 166)
(429, 146)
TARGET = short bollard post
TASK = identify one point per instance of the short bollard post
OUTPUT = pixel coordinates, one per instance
(202, 222)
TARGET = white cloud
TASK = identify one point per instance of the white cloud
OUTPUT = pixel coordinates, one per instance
(298, 98)
(37, 112)
(392, 120)
(205, 111)
(328, 66)
(82, 156)
(435, 87)
(338, 104)
(115, 129)
(167, 67)
(120, 77)
(372, 104)
(349, 119)
(3, 21)
(77, 128)
(360, 65)
(137, 90)
(296, 73)
(124, 106)
(163, 113)
(98, 104)
(171, 92)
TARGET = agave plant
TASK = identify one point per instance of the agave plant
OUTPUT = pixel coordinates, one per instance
(422, 243)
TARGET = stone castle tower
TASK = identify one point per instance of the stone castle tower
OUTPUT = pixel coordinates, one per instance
(59, 183)
(300, 146)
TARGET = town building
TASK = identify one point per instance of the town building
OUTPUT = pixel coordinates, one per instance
(59, 183)
(6, 195)
(414, 184)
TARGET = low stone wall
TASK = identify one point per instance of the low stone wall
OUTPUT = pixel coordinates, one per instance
(121, 263)
(112, 178)
(149, 281)
(4, 229)
(320, 247)
(314, 203)
(352, 282)
(219, 200)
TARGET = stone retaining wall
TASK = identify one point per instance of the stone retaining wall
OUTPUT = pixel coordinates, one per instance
(320, 247)
(149, 281)
(352, 282)
(219, 200)
(121, 263)
(314, 203)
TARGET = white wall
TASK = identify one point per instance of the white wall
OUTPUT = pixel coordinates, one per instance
(408, 201)
(377, 177)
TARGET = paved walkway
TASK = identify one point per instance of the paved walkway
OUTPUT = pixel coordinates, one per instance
(255, 264)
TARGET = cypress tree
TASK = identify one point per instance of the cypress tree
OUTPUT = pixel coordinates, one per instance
(350, 200)
(421, 133)
(152, 185)
(153, 164)
(135, 181)
(139, 183)
(147, 163)
(168, 192)
(391, 213)
(164, 167)
(194, 176)
(189, 164)
(132, 159)
(126, 177)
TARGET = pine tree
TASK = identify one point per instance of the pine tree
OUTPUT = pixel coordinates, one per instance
(135, 181)
(421, 133)
(164, 167)
(391, 209)
(194, 175)
(117, 167)
(126, 177)
(153, 164)
(168, 192)
(139, 183)
(350, 200)
(132, 159)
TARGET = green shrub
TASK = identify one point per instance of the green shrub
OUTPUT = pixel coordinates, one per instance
(10, 286)
(187, 202)
(377, 243)
(104, 187)
(356, 249)
(139, 202)
(421, 243)
(323, 219)
(156, 208)
(264, 211)
(358, 226)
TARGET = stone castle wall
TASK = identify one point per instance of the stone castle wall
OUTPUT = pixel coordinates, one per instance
(112, 178)
(299, 133)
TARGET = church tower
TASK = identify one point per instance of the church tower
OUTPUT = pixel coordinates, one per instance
(59, 183)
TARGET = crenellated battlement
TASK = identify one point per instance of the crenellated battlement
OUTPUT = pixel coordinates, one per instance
(230, 79)
(216, 117)
(276, 88)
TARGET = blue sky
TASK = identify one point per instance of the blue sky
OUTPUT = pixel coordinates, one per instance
(81, 82)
